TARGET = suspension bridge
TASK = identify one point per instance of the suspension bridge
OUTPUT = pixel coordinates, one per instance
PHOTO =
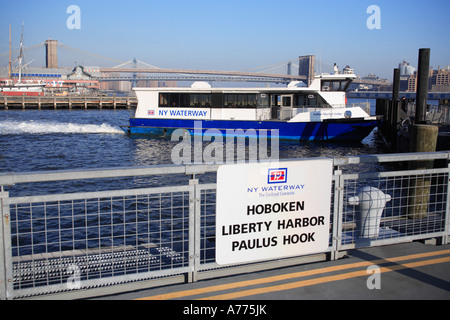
(137, 70)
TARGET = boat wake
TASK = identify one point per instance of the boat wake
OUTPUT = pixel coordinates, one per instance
(42, 127)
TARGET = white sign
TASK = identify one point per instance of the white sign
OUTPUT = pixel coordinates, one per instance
(268, 211)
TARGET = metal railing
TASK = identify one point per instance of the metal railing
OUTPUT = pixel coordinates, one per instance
(435, 114)
(75, 101)
(439, 114)
(92, 243)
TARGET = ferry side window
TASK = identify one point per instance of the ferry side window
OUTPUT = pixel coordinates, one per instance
(337, 86)
(230, 100)
(326, 86)
(311, 101)
(242, 100)
(174, 100)
(217, 100)
(296, 101)
(226, 100)
(263, 100)
(205, 100)
(286, 101)
(163, 99)
(194, 100)
(184, 100)
(251, 100)
(301, 100)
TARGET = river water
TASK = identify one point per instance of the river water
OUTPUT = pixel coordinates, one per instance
(42, 140)
(48, 140)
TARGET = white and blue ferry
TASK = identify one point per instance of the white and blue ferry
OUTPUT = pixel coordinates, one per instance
(315, 113)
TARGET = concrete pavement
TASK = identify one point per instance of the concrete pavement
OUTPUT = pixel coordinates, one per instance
(403, 271)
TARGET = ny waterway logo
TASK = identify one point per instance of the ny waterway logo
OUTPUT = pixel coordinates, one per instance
(277, 175)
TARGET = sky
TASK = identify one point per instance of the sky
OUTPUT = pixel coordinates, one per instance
(238, 34)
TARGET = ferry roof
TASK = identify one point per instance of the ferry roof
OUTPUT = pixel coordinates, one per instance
(218, 90)
(292, 87)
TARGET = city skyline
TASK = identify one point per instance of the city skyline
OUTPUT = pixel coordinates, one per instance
(231, 35)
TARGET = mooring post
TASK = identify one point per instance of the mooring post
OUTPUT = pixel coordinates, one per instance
(396, 85)
(395, 109)
(423, 138)
(382, 111)
(422, 86)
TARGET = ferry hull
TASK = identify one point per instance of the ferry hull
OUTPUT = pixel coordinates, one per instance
(334, 130)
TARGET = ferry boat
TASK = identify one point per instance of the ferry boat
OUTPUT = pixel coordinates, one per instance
(315, 113)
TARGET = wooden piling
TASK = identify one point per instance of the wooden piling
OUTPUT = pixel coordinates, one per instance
(423, 139)
(396, 85)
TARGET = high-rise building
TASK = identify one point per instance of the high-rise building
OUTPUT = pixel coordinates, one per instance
(441, 80)
(438, 80)
(412, 83)
(406, 69)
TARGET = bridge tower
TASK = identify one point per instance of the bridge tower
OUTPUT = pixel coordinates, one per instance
(51, 54)
(134, 82)
(306, 67)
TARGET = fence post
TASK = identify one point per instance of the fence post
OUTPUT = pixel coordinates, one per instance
(4, 211)
(336, 235)
(194, 228)
(445, 238)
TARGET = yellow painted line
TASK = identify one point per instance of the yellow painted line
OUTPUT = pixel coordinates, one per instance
(240, 284)
(304, 283)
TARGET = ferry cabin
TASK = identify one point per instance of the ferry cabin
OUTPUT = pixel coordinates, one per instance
(204, 103)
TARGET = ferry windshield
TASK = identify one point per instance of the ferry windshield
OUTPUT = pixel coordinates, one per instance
(335, 85)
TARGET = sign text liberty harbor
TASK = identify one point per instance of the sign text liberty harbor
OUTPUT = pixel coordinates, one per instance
(252, 224)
